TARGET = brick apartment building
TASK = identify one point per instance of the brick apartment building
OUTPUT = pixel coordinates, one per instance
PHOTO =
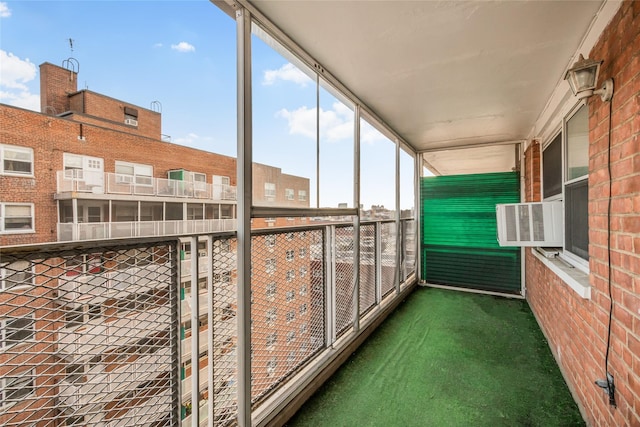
(92, 167)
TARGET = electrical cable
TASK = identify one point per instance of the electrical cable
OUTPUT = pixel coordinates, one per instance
(609, 378)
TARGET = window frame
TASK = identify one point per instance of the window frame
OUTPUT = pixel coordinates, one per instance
(16, 148)
(3, 217)
(4, 401)
(4, 275)
(563, 252)
(3, 331)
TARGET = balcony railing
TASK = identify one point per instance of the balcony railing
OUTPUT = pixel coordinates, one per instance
(112, 230)
(84, 181)
(106, 343)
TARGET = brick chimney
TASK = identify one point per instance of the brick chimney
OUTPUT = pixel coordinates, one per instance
(56, 83)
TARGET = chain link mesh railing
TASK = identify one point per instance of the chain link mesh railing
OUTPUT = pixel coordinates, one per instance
(89, 337)
(288, 305)
(388, 257)
(106, 335)
(367, 267)
(344, 278)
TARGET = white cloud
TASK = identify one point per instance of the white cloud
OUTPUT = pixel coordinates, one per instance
(183, 47)
(14, 74)
(288, 72)
(5, 12)
(335, 124)
(193, 140)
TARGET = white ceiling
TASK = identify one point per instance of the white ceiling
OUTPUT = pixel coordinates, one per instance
(442, 73)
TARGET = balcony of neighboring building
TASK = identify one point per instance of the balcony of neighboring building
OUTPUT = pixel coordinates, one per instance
(81, 183)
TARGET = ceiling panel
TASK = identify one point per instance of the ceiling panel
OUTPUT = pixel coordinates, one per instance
(442, 73)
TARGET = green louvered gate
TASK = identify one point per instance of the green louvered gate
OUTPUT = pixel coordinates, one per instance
(459, 245)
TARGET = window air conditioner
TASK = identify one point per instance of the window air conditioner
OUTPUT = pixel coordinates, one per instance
(131, 122)
(530, 224)
(124, 179)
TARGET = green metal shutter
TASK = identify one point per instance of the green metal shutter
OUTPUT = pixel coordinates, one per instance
(459, 245)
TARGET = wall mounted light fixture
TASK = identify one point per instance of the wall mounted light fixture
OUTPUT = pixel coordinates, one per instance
(583, 76)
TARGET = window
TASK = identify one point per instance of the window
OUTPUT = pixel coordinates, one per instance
(303, 329)
(303, 309)
(291, 295)
(291, 357)
(271, 367)
(291, 335)
(83, 264)
(270, 240)
(290, 255)
(78, 316)
(303, 290)
(16, 274)
(16, 160)
(133, 173)
(15, 388)
(16, 218)
(15, 330)
(302, 195)
(565, 178)
(270, 265)
(271, 315)
(271, 290)
(291, 274)
(291, 315)
(302, 252)
(271, 340)
(75, 374)
(269, 191)
(303, 271)
(289, 193)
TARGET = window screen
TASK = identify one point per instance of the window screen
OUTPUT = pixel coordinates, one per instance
(577, 218)
(552, 167)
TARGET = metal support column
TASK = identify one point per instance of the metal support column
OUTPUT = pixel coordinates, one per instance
(398, 225)
(195, 334)
(244, 180)
(356, 221)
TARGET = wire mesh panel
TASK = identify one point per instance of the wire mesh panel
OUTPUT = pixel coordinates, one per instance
(225, 331)
(409, 246)
(288, 305)
(367, 267)
(344, 278)
(89, 337)
(388, 257)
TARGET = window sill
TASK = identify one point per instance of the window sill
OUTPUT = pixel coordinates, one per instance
(574, 277)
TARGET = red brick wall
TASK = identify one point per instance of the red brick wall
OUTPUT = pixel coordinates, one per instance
(56, 83)
(50, 137)
(577, 328)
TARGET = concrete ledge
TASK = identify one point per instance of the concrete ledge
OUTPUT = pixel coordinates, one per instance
(575, 278)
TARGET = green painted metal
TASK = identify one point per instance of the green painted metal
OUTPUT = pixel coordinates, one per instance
(459, 245)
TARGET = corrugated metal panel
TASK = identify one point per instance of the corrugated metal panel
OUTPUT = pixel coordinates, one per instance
(459, 245)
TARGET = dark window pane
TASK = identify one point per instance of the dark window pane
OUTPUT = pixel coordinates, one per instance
(577, 218)
(552, 168)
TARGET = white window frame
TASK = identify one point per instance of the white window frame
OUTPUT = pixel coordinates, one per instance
(4, 273)
(4, 148)
(4, 385)
(571, 258)
(142, 174)
(290, 254)
(269, 190)
(3, 331)
(3, 217)
(302, 195)
(289, 193)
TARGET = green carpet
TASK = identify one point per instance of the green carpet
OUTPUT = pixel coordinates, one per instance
(446, 358)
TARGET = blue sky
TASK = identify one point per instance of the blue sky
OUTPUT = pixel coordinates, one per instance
(182, 54)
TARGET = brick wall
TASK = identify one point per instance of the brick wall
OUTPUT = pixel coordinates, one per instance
(577, 328)
(50, 137)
